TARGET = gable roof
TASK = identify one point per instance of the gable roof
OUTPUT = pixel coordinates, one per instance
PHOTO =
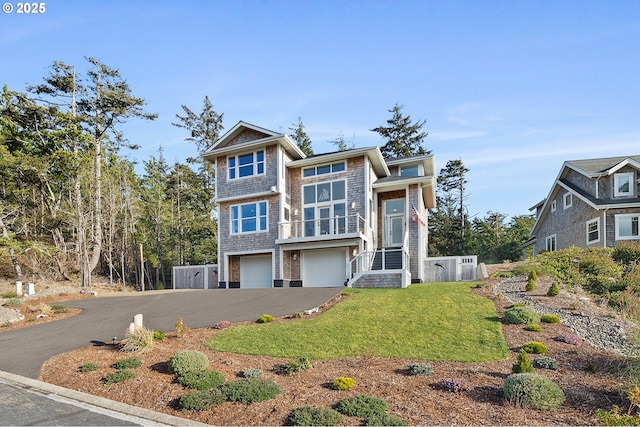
(373, 153)
(594, 168)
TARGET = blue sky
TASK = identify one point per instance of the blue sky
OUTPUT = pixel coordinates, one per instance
(512, 88)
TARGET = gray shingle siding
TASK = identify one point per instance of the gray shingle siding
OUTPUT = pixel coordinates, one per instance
(248, 185)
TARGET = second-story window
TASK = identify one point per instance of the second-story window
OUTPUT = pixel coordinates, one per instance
(411, 170)
(245, 165)
(324, 208)
(324, 169)
(622, 184)
(249, 218)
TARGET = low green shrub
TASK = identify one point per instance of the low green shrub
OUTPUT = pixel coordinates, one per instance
(520, 316)
(531, 285)
(533, 328)
(265, 318)
(550, 318)
(89, 367)
(9, 295)
(532, 390)
(297, 365)
(119, 376)
(250, 373)
(314, 416)
(362, 405)
(250, 390)
(13, 302)
(385, 420)
(627, 252)
(422, 369)
(554, 290)
(127, 363)
(616, 417)
(545, 363)
(533, 275)
(201, 380)
(201, 400)
(139, 340)
(188, 361)
(535, 347)
(159, 336)
(523, 364)
(343, 383)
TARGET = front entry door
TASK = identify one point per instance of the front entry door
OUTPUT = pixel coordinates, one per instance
(393, 222)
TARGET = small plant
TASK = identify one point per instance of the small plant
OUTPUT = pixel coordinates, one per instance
(265, 318)
(533, 328)
(297, 315)
(188, 361)
(569, 338)
(550, 318)
(181, 328)
(523, 364)
(343, 383)
(9, 295)
(59, 309)
(531, 285)
(44, 308)
(201, 400)
(223, 324)
(159, 336)
(385, 420)
(250, 390)
(314, 416)
(13, 302)
(119, 376)
(452, 385)
(250, 373)
(139, 340)
(519, 315)
(533, 275)
(362, 405)
(535, 347)
(201, 380)
(554, 290)
(297, 365)
(532, 390)
(423, 369)
(128, 363)
(616, 417)
(545, 363)
(89, 367)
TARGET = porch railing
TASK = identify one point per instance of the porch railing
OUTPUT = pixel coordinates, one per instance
(330, 226)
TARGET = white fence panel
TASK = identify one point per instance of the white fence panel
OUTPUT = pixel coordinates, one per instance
(451, 268)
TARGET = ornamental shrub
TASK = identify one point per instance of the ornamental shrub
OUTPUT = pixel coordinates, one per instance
(139, 340)
(385, 420)
(422, 369)
(188, 361)
(59, 309)
(89, 367)
(250, 390)
(13, 302)
(265, 318)
(343, 383)
(223, 324)
(362, 405)
(569, 338)
(119, 376)
(616, 417)
(533, 275)
(545, 362)
(201, 380)
(201, 400)
(297, 365)
(250, 373)
(159, 336)
(533, 328)
(314, 416)
(554, 290)
(452, 385)
(535, 347)
(520, 315)
(627, 252)
(127, 363)
(531, 285)
(181, 328)
(550, 318)
(532, 390)
(523, 364)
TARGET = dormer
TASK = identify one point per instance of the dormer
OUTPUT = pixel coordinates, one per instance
(411, 166)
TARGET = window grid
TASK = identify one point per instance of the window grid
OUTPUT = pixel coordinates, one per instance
(249, 218)
(246, 165)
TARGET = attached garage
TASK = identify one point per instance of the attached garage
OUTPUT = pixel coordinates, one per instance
(325, 268)
(256, 271)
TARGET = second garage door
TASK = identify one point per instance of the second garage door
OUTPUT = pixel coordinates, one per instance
(255, 271)
(326, 268)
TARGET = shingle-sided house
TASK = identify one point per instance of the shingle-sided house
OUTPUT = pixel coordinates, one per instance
(592, 202)
(288, 220)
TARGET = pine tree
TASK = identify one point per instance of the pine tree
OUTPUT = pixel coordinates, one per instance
(523, 364)
(301, 138)
(403, 138)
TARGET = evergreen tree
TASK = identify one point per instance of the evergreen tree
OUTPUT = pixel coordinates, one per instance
(403, 138)
(300, 137)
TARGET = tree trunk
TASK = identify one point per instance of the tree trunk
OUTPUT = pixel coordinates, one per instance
(12, 253)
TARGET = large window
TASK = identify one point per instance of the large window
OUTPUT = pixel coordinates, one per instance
(249, 218)
(593, 231)
(411, 170)
(551, 243)
(627, 227)
(324, 169)
(324, 209)
(246, 165)
(623, 184)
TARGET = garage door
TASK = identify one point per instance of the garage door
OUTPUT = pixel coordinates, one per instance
(324, 268)
(255, 271)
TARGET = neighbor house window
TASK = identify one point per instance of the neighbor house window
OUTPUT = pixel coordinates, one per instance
(324, 208)
(553, 206)
(324, 169)
(409, 170)
(249, 218)
(623, 184)
(568, 200)
(627, 227)
(593, 231)
(551, 243)
(246, 165)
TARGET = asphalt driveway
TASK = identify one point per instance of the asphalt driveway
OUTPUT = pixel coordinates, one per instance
(23, 351)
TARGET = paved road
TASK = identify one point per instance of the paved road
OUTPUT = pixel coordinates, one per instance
(23, 351)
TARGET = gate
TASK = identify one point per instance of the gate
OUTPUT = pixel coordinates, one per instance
(195, 276)
(451, 268)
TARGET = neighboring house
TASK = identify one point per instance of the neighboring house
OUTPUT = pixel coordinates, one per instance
(592, 203)
(288, 220)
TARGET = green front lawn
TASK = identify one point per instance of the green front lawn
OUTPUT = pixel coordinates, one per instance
(436, 321)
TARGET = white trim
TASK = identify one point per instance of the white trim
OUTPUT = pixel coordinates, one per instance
(552, 238)
(261, 194)
(257, 218)
(315, 167)
(568, 195)
(616, 184)
(254, 165)
(597, 222)
(554, 205)
(617, 226)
